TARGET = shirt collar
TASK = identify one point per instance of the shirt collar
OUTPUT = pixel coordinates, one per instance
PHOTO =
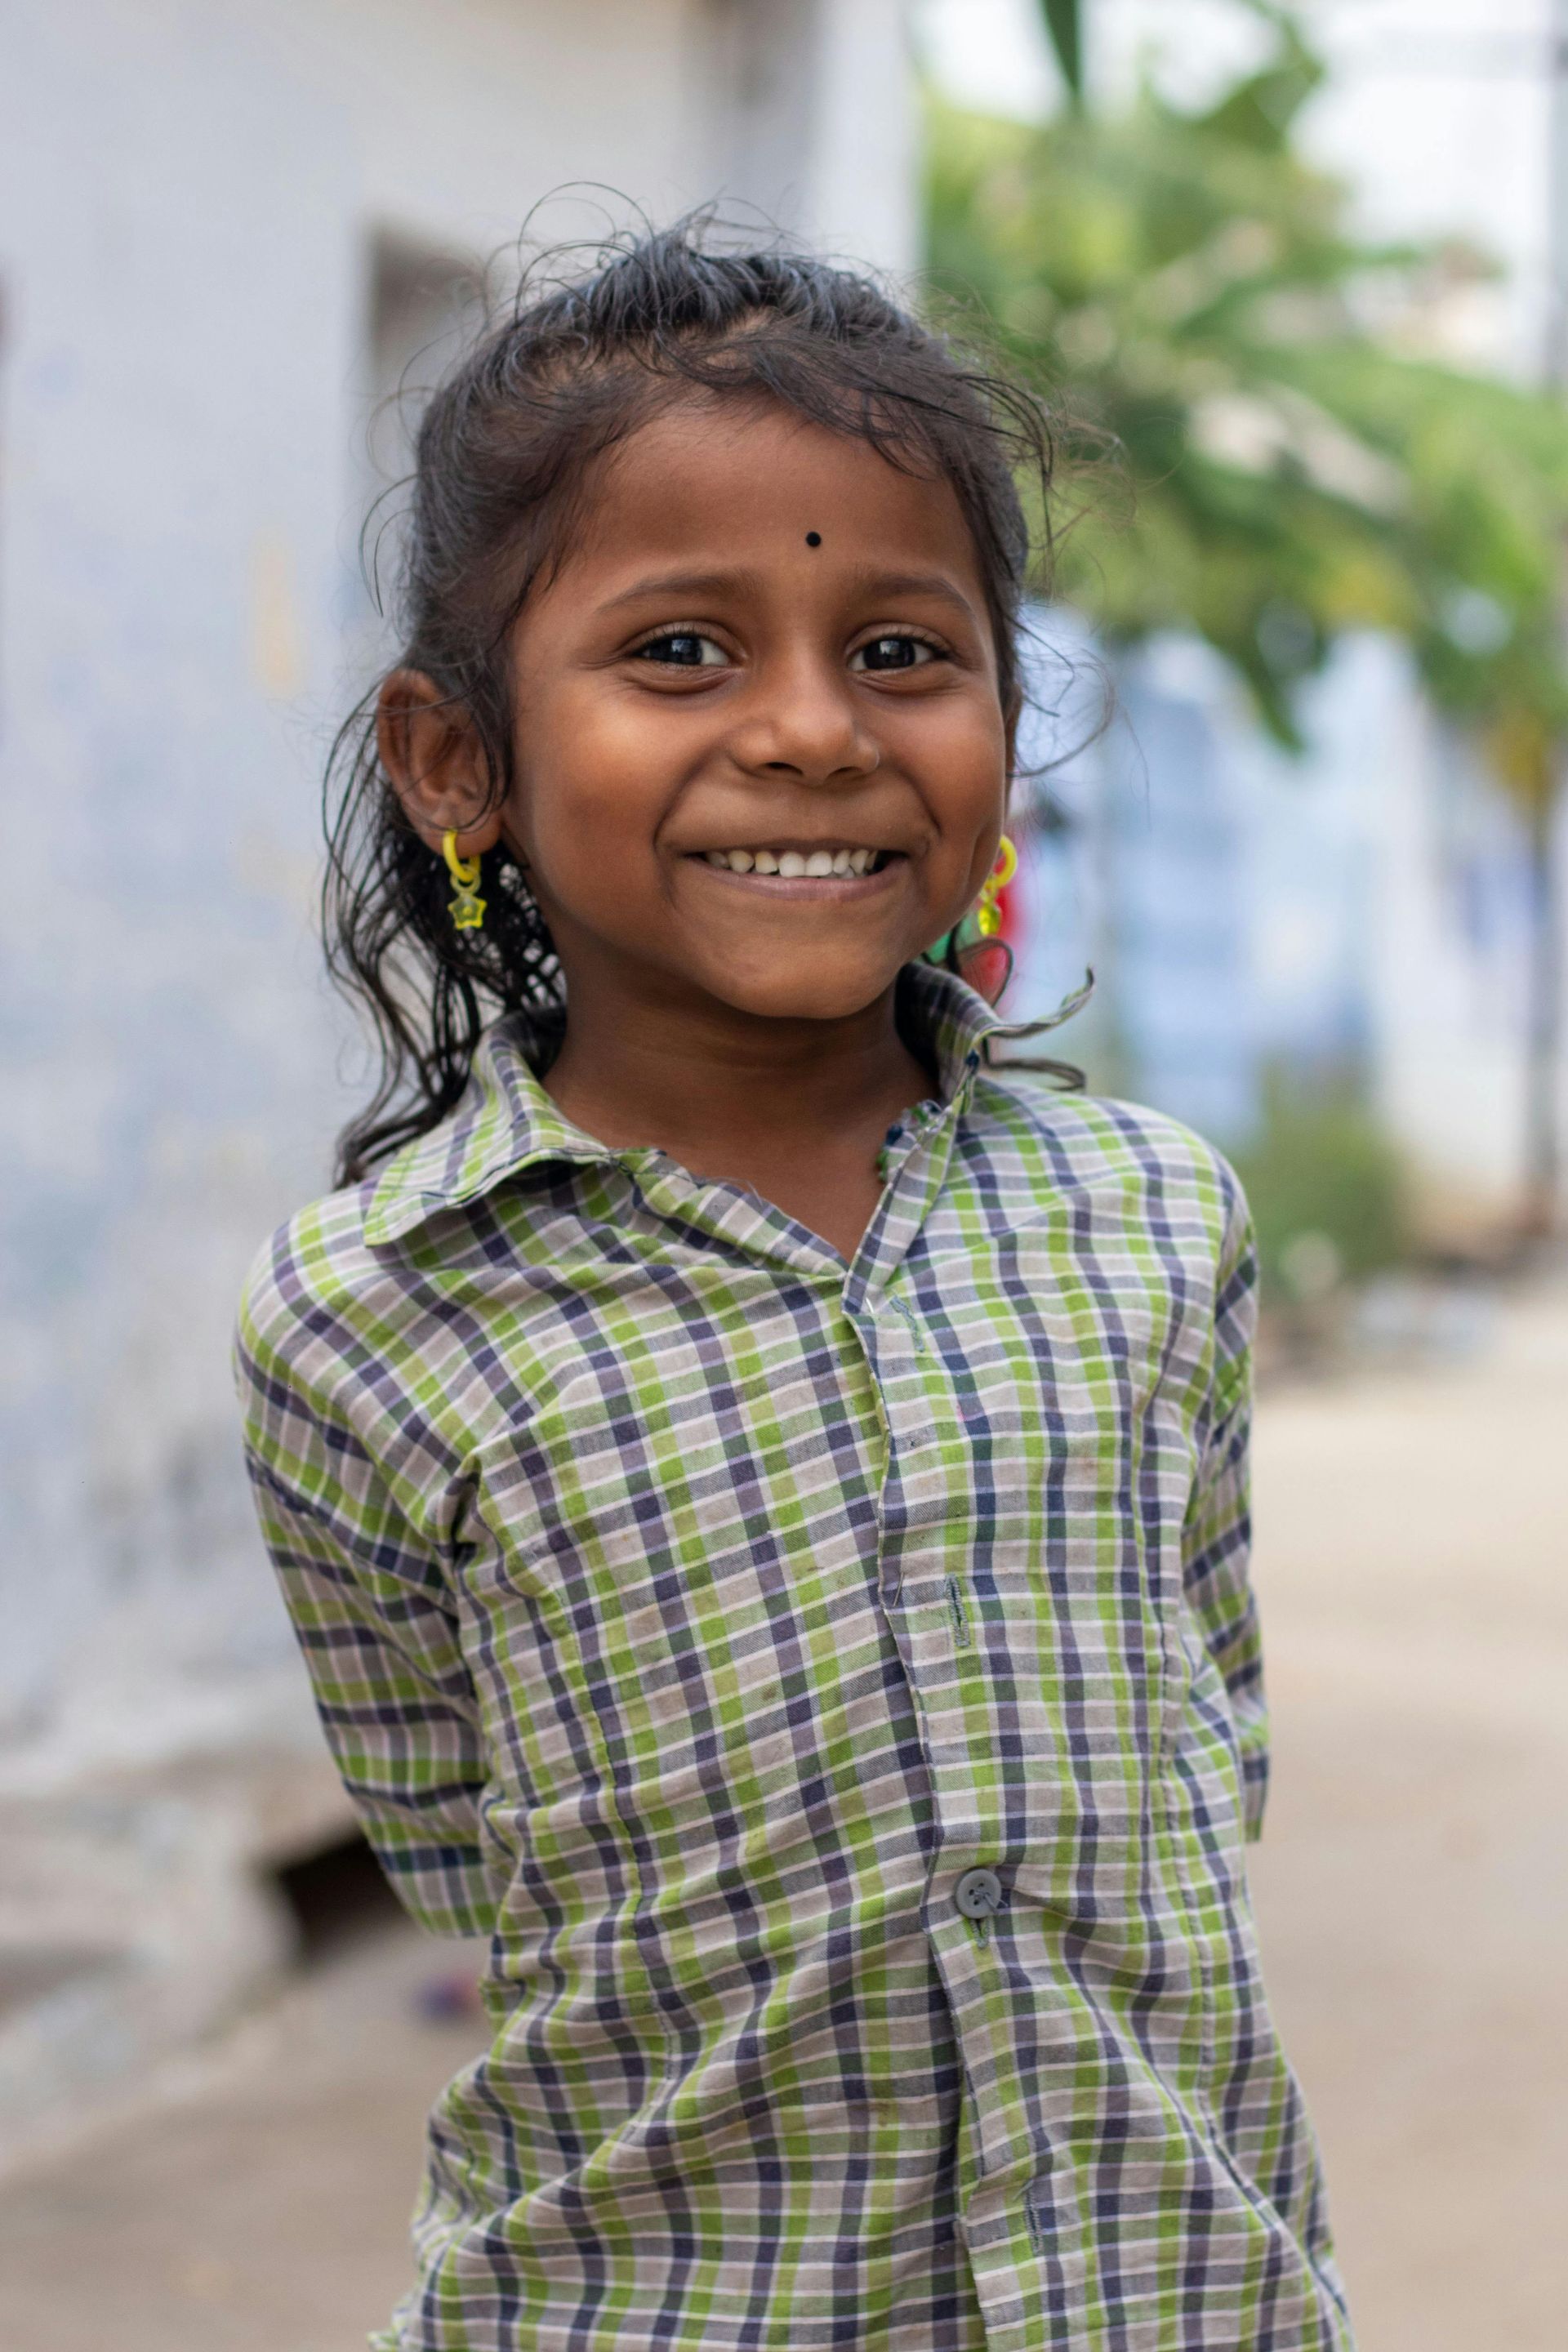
(506, 1122)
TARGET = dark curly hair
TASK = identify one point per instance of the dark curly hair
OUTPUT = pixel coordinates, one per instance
(504, 457)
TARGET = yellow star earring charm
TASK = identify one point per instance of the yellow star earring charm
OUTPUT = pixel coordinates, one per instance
(467, 906)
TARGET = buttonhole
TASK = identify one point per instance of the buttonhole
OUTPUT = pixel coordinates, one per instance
(899, 1309)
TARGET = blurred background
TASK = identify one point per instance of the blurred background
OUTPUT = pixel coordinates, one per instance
(1298, 279)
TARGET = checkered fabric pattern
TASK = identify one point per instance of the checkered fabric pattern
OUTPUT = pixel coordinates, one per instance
(690, 1614)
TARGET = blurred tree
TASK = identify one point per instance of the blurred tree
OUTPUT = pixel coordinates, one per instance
(1297, 468)
(1320, 1170)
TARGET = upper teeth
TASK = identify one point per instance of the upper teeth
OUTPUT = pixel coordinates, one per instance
(794, 863)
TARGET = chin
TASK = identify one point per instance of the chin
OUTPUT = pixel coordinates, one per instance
(810, 994)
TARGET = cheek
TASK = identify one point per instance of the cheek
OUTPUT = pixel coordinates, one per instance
(589, 802)
(958, 754)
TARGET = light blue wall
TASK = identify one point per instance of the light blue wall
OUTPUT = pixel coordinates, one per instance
(1145, 881)
(1361, 905)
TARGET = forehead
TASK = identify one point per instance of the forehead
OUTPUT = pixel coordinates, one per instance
(733, 478)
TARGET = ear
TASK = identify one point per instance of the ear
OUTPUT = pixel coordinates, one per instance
(431, 749)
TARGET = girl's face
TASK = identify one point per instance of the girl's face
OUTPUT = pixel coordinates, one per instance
(760, 755)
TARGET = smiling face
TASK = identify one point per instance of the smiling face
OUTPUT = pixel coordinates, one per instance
(760, 754)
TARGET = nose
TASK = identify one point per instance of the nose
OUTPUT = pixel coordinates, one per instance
(801, 721)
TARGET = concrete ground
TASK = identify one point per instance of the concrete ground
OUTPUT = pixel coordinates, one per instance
(1413, 1888)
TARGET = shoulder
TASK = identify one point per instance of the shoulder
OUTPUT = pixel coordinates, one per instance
(350, 1377)
(1145, 1202)
(307, 1275)
(348, 1276)
(403, 1340)
(1082, 1143)
(339, 1387)
(316, 1311)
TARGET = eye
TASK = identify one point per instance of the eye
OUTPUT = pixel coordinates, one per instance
(894, 652)
(682, 649)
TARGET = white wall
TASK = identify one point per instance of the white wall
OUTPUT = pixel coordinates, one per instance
(188, 195)
(812, 123)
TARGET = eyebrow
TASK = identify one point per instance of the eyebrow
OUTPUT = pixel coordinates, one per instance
(918, 584)
(717, 584)
(677, 583)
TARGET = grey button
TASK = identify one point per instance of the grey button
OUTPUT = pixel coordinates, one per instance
(978, 1894)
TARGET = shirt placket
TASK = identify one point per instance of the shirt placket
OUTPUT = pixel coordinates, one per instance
(926, 1589)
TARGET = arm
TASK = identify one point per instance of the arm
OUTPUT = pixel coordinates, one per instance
(1217, 1537)
(375, 1619)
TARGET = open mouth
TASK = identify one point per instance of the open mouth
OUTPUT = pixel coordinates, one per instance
(845, 861)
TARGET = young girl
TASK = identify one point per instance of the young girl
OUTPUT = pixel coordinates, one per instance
(761, 1484)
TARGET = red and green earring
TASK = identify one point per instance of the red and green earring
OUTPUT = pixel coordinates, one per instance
(974, 949)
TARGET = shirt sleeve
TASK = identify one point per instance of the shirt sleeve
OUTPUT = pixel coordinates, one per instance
(374, 1615)
(1217, 1538)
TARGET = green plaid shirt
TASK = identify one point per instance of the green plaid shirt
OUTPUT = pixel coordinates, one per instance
(833, 1690)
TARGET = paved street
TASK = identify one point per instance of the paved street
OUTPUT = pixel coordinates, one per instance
(1413, 1890)
(1413, 1883)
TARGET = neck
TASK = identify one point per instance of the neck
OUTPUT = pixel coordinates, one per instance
(794, 1111)
(714, 1087)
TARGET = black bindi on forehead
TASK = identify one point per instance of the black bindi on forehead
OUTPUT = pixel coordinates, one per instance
(814, 539)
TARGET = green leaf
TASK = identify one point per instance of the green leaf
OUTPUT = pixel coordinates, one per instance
(1065, 25)
(1261, 111)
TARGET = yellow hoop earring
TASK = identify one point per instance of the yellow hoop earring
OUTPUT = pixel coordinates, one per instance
(467, 906)
(988, 914)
